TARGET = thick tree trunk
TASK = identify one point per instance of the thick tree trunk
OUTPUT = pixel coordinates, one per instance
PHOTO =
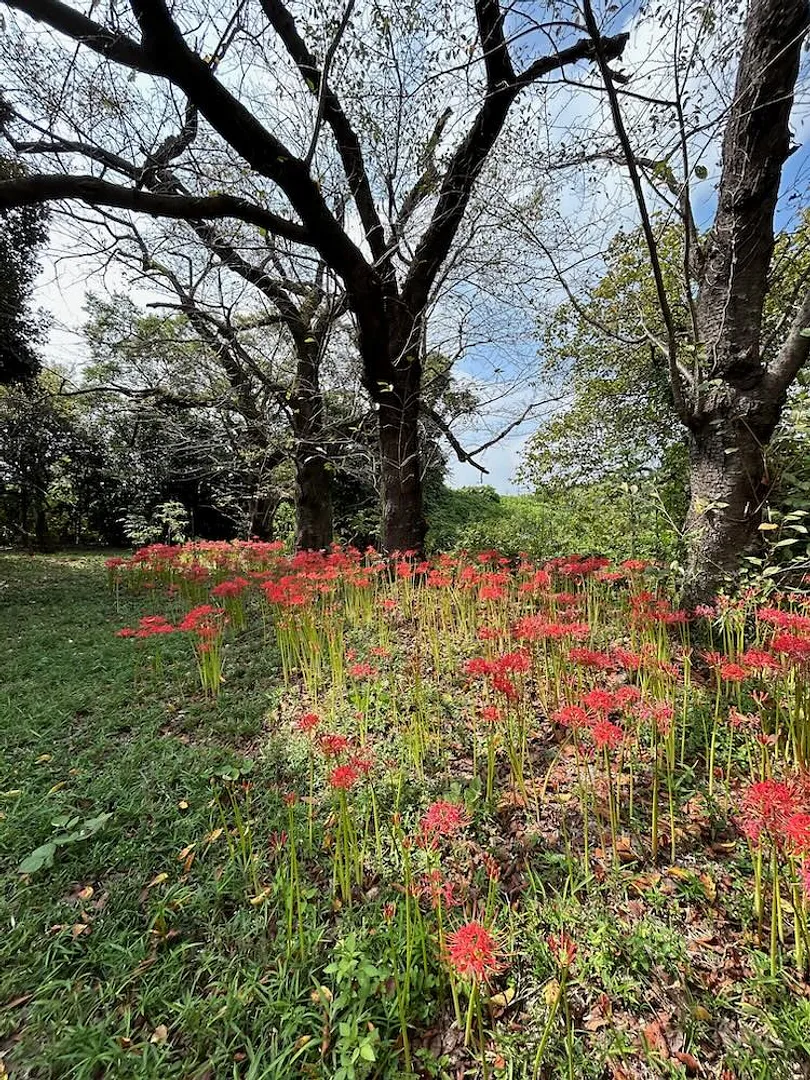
(728, 485)
(403, 519)
(313, 500)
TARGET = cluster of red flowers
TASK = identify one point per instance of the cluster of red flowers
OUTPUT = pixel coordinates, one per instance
(778, 810)
(442, 819)
(472, 952)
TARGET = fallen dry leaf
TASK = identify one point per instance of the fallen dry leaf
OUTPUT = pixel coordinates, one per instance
(159, 1035)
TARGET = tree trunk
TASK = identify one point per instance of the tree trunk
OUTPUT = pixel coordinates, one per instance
(728, 485)
(313, 500)
(403, 519)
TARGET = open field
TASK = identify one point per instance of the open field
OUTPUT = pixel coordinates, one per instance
(233, 895)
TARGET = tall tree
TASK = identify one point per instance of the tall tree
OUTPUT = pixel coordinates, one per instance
(23, 231)
(728, 393)
(387, 269)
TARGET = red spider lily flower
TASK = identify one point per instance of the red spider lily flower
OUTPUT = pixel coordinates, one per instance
(308, 722)
(488, 633)
(571, 716)
(797, 831)
(765, 807)
(235, 587)
(606, 735)
(472, 952)
(479, 666)
(713, 658)
(388, 911)
(661, 713)
(731, 672)
(443, 818)
(599, 701)
(362, 671)
(795, 648)
(390, 604)
(127, 631)
(635, 566)
(590, 658)
(630, 661)
(343, 777)
(490, 713)
(276, 841)
(626, 696)
(333, 745)
(759, 660)
(514, 662)
(491, 592)
(563, 948)
(290, 798)
(505, 686)
(785, 620)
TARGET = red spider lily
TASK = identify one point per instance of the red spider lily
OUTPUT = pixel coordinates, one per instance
(630, 661)
(472, 952)
(491, 592)
(505, 686)
(479, 666)
(388, 911)
(201, 617)
(235, 587)
(290, 798)
(759, 660)
(797, 831)
(491, 866)
(606, 735)
(362, 671)
(731, 672)
(563, 948)
(514, 662)
(742, 721)
(661, 713)
(766, 807)
(785, 620)
(308, 722)
(343, 777)
(333, 745)
(626, 696)
(590, 658)
(795, 648)
(443, 818)
(126, 632)
(635, 566)
(571, 716)
(490, 713)
(599, 701)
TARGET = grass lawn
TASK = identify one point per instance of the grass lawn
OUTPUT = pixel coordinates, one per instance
(142, 951)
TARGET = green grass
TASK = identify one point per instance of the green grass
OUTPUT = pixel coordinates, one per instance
(80, 739)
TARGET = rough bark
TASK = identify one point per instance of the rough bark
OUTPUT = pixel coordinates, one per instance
(739, 399)
(729, 484)
(403, 520)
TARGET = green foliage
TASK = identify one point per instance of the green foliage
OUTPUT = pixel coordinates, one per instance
(609, 518)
